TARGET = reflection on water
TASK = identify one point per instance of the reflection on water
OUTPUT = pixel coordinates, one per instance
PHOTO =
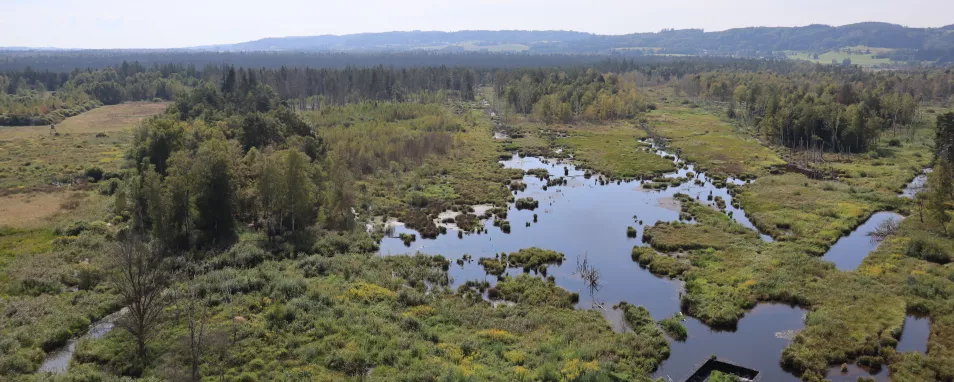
(851, 250)
(584, 218)
(914, 338)
(757, 343)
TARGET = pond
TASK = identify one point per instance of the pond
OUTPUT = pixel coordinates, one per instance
(849, 251)
(584, 219)
(914, 338)
(757, 343)
(58, 361)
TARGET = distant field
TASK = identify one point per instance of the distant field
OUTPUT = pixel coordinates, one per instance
(36, 168)
(471, 46)
(100, 120)
(840, 55)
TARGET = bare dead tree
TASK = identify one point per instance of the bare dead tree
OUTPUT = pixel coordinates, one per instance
(589, 273)
(140, 281)
(884, 229)
(196, 307)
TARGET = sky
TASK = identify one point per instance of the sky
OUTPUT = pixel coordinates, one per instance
(102, 24)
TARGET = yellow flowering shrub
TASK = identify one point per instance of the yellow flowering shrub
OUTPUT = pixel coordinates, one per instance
(371, 293)
(498, 335)
(574, 368)
(419, 311)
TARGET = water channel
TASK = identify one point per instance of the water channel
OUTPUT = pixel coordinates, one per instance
(585, 218)
(58, 361)
(848, 253)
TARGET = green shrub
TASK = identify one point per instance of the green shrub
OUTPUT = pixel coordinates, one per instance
(718, 376)
(339, 243)
(674, 327)
(280, 316)
(289, 288)
(89, 276)
(929, 249)
(95, 174)
(526, 289)
(492, 266)
(244, 255)
(408, 238)
(527, 203)
(109, 187)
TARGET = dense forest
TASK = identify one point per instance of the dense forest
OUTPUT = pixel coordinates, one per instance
(34, 97)
(840, 111)
(67, 61)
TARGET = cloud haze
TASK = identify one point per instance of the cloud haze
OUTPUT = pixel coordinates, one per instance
(180, 23)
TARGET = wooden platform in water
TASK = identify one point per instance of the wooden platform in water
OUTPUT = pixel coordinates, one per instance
(703, 372)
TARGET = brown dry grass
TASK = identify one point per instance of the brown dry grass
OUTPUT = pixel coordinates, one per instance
(100, 120)
(32, 159)
(33, 210)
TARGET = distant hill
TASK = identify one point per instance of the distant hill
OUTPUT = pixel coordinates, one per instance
(925, 44)
(870, 43)
(401, 41)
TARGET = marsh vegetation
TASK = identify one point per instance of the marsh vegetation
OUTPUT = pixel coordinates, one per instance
(240, 207)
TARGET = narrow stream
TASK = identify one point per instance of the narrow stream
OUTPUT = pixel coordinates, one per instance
(916, 185)
(58, 361)
(847, 254)
(849, 251)
(586, 219)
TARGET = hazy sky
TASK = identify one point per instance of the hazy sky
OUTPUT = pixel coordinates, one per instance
(180, 23)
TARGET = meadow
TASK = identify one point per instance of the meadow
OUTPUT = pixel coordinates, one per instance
(52, 256)
(857, 56)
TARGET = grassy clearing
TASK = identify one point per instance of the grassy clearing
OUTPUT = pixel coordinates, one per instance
(792, 207)
(33, 210)
(613, 150)
(862, 59)
(716, 146)
(887, 168)
(31, 158)
(104, 119)
(474, 46)
(52, 287)
(927, 288)
(712, 230)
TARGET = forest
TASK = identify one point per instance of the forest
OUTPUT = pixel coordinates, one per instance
(238, 233)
